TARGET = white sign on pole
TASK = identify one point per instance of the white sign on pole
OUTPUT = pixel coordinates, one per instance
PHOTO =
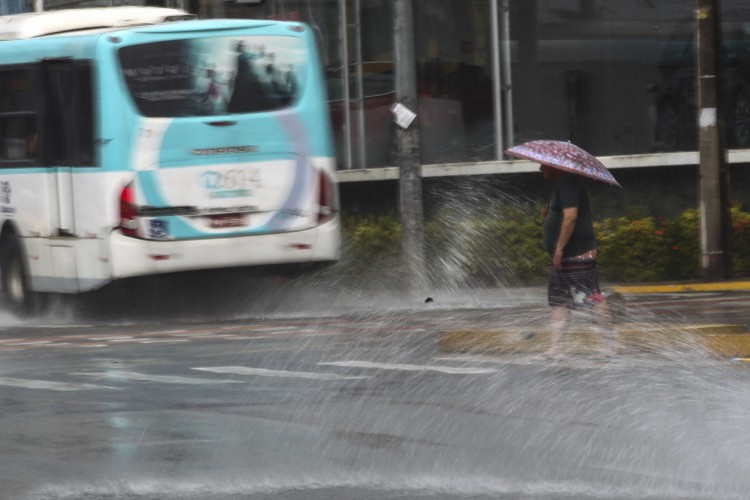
(402, 115)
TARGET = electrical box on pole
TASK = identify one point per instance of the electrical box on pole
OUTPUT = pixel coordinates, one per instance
(713, 170)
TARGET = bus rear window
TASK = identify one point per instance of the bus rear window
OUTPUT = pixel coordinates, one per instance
(214, 76)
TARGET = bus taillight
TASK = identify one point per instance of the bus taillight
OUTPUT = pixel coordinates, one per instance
(128, 211)
(327, 204)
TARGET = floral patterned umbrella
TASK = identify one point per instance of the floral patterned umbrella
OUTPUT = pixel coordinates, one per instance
(564, 156)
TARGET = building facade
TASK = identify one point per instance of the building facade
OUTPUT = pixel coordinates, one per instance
(615, 77)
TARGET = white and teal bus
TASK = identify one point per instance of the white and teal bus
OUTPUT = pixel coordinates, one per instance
(137, 141)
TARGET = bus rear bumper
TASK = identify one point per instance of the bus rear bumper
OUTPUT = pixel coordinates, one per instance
(130, 257)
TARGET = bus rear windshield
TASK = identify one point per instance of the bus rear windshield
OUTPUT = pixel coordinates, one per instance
(214, 76)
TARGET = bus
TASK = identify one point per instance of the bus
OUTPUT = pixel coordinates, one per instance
(138, 141)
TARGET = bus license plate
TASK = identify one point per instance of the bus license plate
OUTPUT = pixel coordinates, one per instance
(228, 220)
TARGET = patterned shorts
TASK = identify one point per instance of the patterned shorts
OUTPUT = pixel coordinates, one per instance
(575, 285)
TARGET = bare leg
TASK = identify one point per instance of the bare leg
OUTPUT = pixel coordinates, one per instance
(559, 320)
(606, 329)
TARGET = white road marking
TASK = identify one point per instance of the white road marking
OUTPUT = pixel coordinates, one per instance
(479, 358)
(412, 368)
(46, 384)
(204, 335)
(263, 372)
(273, 329)
(250, 337)
(64, 327)
(188, 334)
(164, 379)
(165, 341)
(30, 342)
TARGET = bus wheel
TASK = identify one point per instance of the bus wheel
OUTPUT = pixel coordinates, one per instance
(18, 298)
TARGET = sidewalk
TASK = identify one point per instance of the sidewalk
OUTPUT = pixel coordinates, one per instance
(715, 324)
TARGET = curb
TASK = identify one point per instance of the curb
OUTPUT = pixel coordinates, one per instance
(715, 339)
(719, 286)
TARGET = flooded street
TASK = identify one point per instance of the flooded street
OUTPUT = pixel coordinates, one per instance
(361, 402)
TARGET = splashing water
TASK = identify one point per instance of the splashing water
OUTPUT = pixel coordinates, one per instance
(660, 423)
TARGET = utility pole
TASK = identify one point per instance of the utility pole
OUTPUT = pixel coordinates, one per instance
(407, 146)
(713, 171)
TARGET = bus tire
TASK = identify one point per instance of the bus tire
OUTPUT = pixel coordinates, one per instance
(19, 299)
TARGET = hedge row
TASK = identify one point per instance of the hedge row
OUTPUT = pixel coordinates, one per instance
(502, 246)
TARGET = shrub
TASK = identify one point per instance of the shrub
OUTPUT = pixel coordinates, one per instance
(740, 241)
(639, 247)
(502, 245)
(631, 248)
(683, 246)
(371, 250)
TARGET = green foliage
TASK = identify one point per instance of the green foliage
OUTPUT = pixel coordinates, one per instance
(371, 252)
(506, 247)
(683, 246)
(740, 241)
(503, 245)
(373, 237)
(640, 248)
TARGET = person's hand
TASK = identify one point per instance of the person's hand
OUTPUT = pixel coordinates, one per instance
(557, 260)
(545, 210)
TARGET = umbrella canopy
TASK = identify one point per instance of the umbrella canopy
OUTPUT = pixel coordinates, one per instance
(563, 156)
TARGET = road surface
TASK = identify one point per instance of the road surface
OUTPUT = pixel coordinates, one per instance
(292, 399)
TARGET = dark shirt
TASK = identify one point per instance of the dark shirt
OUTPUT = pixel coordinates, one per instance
(570, 192)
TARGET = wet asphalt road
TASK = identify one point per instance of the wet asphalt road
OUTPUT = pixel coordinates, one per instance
(296, 398)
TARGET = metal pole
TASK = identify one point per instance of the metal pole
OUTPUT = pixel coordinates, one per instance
(408, 147)
(345, 111)
(713, 196)
(497, 86)
(506, 77)
(362, 150)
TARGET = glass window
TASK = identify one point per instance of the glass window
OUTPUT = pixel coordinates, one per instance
(14, 7)
(16, 90)
(454, 72)
(85, 114)
(371, 84)
(213, 76)
(18, 138)
(18, 132)
(46, 114)
(619, 77)
(68, 113)
(67, 4)
(363, 124)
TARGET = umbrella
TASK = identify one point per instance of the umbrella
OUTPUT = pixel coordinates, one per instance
(564, 156)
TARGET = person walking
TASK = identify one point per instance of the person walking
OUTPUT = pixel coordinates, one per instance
(573, 280)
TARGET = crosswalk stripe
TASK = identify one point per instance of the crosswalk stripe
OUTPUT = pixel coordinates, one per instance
(412, 368)
(46, 384)
(164, 379)
(263, 372)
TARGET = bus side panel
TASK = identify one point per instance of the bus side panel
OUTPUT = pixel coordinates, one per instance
(29, 202)
(96, 196)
